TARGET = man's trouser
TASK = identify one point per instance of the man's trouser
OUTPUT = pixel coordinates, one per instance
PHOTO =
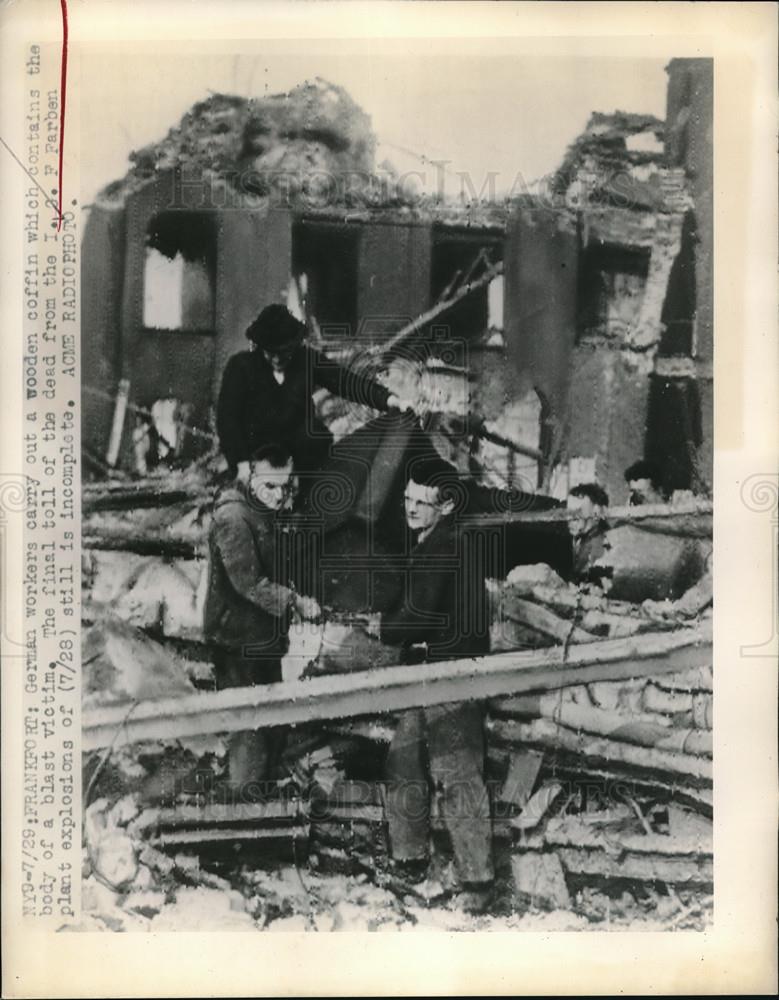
(442, 745)
(253, 755)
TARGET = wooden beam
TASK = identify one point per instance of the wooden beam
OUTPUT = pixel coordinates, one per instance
(213, 835)
(576, 831)
(143, 543)
(692, 517)
(133, 498)
(392, 689)
(117, 425)
(545, 733)
(691, 870)
(215, 814)
(441, 307)
(476, 426)
(624, 727)
(611, 776)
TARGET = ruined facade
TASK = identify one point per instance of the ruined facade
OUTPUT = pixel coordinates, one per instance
(610, 307)
(591, 348)
(595, 351)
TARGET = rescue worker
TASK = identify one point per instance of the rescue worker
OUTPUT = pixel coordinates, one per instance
(589, 539)
(249, 604)
(266, 394)
(441, 615)
(644, 483)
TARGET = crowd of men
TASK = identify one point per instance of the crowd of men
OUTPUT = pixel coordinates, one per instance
(269, 434)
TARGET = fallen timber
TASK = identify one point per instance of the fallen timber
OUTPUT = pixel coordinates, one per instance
(610, 775)
(229, 834)
(658, 516)
(134, 497)
(441, 307)
(546, 733)
(396, 688)
(690, 519)
(697, 869)
(143, 543)
(646, 731)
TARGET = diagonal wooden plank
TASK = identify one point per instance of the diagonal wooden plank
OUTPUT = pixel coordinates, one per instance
(395, 688)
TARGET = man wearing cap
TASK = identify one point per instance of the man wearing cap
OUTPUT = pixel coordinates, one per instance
(645, 483)
(266, 394)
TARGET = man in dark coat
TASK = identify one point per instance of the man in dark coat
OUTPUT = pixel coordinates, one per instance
(589, 535)
(266, 393)
(249, 602)
(441, 616)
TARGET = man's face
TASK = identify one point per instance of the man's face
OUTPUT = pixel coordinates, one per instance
(270, 485)
(587, 515)
(423, 507)
(642, 491)
(279, 357)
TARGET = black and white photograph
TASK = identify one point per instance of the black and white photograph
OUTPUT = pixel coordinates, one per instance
(397, 496)
(369, 480)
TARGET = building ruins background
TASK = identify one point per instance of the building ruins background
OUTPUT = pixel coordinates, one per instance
(575, 335)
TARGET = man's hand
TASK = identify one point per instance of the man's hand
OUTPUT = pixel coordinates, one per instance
(243, 473)
(394, 403)
(308, 607)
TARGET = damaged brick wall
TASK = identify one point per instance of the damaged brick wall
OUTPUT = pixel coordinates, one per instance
(689, 137)
(634, 208)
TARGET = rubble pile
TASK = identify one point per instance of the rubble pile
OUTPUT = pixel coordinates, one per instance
(314, 147)
(601, 791)
(264, 143)
(321, 864)
(175, 890)
(618, 159)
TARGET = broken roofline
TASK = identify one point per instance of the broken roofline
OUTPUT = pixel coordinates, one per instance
(209, 188)
(343, 196)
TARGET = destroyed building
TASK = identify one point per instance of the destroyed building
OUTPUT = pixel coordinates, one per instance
(551, 340)
(597, 311)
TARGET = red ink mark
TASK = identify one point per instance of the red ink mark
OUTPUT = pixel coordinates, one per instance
(63, 89)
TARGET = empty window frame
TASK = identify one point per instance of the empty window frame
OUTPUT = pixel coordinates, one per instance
(612, 284)
(455, 260)
(180, 272)
(327, 254)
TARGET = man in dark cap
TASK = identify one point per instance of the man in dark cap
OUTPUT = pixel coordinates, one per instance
(266, 394)
(645, 483)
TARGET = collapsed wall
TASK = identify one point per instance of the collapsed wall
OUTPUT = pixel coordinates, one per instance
(632, 208)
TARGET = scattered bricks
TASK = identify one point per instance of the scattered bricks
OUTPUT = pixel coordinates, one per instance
(540, 880)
